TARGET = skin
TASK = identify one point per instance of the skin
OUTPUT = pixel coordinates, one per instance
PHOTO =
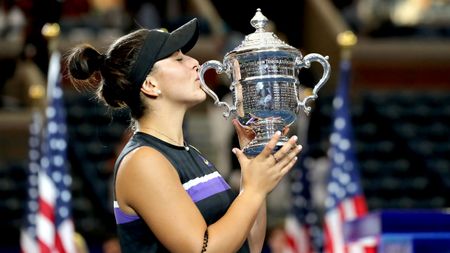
(138, 187)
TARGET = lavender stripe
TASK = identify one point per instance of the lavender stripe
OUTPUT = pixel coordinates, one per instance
(206, 189)
(122, 217)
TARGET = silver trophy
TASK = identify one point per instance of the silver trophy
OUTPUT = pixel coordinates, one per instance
(265, 87)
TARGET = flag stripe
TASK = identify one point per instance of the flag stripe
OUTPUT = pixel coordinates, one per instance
(297, 236)
(360, 205)
(334, 222)
(328, 245)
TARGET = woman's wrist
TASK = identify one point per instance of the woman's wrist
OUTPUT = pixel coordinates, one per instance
(255, 194)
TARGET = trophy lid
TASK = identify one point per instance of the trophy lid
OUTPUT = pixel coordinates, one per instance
(261, 39)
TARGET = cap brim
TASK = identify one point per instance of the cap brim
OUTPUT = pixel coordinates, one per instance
(183, 38)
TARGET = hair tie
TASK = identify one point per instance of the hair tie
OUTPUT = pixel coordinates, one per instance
(101, 59)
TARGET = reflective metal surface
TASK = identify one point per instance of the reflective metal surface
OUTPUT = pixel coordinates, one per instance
(264, 73)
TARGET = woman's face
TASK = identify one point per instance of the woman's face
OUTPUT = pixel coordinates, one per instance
(177, 78)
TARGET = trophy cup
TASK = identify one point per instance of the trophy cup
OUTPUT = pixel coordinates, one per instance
(264, 73)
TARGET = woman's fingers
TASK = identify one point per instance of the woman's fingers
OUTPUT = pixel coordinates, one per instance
(285, 169)
(267, 151)
(286, 149)
(285, 130)
(290, 157)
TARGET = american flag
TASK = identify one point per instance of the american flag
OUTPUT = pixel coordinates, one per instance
(302, 224)
(50, 227)
(345, 199)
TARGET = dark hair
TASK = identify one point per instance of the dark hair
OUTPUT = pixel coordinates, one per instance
(87, 68)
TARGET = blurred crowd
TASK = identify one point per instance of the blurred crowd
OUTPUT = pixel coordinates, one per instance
(99, 22)
(225, 23)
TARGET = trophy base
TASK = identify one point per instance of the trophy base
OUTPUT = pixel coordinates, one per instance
(265, 129)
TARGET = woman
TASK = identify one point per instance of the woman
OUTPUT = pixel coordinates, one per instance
(168, 197)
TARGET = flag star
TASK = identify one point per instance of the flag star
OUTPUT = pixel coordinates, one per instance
(52, 128)
(33, 181)
(53, 144)
(344, 144)
(33, 193)
(44, 162)
(352, 187)
(33, 205)
(34, 167)
(33, 154)
(339, 158)
(58, 160)
(311, 218)
(50, 111)
(348, 165)
(56, 176)
(340, 193)
(337, 103)
(335, 138)
(66, 195)
(339, 123)
(344, 178)
(329, 202)
(34, 142)
(333, 187)
(299, 201)
(336, 173)
(63, 211)
(297, 187)
(30, 218)
(57, 93)
(62, 145)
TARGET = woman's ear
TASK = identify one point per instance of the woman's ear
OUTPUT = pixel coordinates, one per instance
(150, 88)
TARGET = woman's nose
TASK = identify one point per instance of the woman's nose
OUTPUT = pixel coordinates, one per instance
(196, 63)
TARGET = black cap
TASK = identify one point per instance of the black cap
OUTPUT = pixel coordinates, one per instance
(159, 45)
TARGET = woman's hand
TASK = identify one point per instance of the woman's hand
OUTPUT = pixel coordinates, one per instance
(262, 173)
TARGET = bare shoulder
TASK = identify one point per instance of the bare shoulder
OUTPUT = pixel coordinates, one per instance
(145, 160)
(141, 171)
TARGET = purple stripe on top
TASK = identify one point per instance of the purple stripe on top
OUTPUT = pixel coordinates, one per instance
(122, 217)
(206, 189)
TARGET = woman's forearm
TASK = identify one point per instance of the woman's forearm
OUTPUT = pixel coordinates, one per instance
(229, 233)
(258, 231)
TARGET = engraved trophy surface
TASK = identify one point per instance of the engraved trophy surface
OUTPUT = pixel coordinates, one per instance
(264, 73)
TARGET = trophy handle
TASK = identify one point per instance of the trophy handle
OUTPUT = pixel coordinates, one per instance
(218, 66)
(306, 63)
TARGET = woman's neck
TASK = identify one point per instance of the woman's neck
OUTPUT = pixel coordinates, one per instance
(165, 127)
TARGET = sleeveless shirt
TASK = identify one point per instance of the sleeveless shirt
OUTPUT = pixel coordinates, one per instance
(201, 180)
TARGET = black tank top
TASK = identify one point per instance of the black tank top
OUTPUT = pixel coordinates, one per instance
(200, 179)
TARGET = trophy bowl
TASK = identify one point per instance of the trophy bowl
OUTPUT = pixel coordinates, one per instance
(264, 83)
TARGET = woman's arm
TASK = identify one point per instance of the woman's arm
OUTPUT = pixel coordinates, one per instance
(258, 231)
